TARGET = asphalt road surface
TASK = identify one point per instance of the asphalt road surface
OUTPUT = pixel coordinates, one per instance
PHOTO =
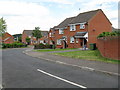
(23, 71)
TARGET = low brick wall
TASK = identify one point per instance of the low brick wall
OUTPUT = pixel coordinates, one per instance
(109, 47)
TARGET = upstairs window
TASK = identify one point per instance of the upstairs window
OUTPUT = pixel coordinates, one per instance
(72, 28)
(82, 26)
(61, 31)
(71, 39)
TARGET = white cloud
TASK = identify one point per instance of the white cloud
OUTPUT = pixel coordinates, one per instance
(27, 15)
(21, 8)
(21, 15)
(106, 6)
(58, 1)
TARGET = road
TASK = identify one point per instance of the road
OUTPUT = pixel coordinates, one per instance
(23, 71)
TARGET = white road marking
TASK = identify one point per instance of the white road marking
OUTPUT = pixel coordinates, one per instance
(70, 82)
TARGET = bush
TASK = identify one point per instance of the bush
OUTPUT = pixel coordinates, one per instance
(13, 45)
(42, 46)
(47, 46)
(104, 34)
(39, 46)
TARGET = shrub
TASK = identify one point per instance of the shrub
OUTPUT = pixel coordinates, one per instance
(42, 46)
(104, 34)
(13, 45)
(47, 46)
(39, 46)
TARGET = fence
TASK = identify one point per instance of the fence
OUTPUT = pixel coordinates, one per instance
(109, 47)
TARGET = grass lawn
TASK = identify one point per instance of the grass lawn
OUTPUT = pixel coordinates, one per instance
(88, 55)
(49, 50)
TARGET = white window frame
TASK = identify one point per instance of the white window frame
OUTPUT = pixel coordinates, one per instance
(61, 31)
(72, 27)
(58, 41)
(50, 42)
(72, 40)
(82, 26)
(41, 41)
(50, 34)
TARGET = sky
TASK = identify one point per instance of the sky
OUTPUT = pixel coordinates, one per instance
(27, 14)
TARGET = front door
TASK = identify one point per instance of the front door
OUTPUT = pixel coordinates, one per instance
(64, 44)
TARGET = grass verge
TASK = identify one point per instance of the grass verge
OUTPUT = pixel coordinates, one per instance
(87, 55)
(49, 50)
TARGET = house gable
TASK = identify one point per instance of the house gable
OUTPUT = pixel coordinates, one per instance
(97, 24)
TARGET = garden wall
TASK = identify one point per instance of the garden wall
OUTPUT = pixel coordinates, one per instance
(109, 47)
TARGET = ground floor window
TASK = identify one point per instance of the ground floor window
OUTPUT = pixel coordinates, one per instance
(76, 40)
(71, 39)
(51, 42)
(58, 41)
(41, 41)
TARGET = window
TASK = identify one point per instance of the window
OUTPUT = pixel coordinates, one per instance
(82, 26)
(61, 31)
(76, 40)
(58, 42)
(41, 41)
(50, 41)
(72, 28)
(50, 35)
(71, 39)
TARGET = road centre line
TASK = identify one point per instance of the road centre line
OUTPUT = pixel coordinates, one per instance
(70, 82)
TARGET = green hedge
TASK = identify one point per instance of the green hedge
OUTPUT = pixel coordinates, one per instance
(13, 45)
(42, 46)
(104, 34)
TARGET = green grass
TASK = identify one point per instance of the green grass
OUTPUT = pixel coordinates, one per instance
(49, 50)
(87, 55)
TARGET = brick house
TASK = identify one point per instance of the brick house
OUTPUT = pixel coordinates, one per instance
(28, 33)
(7, 38)
(83, 29)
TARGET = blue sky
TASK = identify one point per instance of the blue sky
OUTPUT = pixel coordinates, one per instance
(27, 14)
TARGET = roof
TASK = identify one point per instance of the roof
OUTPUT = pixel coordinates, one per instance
(66, 22)
(115, 29)
(29, 32)
(44, 33)
(80, 33)
(81, 18)
(16, 35)
(6, 36)
(84, 17)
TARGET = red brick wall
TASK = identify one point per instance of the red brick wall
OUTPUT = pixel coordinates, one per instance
(98, 24)
(109, 47)
(69, 34)
(7, 35)
(24, 36)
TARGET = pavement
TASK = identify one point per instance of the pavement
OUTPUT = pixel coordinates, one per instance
(91, 65)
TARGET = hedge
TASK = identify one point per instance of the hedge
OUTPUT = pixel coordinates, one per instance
(104, 34)
(13, 45)
(42, 46)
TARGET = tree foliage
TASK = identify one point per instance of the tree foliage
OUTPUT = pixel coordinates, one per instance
(114, 33)
(3, 26)
(28, 40)
(37, 33)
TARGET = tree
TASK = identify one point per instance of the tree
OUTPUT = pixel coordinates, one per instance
(20, 38)
(37, 33)
(3, 26)
(28, 40)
